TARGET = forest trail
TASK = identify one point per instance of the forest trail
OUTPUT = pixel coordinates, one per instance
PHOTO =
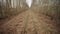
(29, 22)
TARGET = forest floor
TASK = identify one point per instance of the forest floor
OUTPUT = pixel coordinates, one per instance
(30, 22)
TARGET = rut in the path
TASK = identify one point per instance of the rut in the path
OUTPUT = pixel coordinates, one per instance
(29, 22)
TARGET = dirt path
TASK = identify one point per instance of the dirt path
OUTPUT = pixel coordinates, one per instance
(29, 22)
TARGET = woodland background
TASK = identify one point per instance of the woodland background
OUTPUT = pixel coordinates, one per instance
(49, 8)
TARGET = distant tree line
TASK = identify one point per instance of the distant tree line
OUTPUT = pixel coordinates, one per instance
(12, 6)
(50, 8)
